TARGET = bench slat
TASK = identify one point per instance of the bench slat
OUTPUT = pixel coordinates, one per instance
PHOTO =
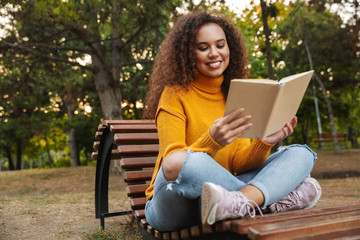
(158, 234)
(185, 233)
(196, 231)
(144, 223)
(134, 163)
(175, 235)
(223, 226)
(131, 176)
(166, 236)
(133, 128)
(351, 233)
(108, 123)
(304, 227)
(328, 137)
(101, 127)
(138, 203)
(140, 214)
(96, 145)
(98, 136)
(138, 150)
(150, 229)
(114, 155)
(241, 226)
(133, 138)
(136, 190)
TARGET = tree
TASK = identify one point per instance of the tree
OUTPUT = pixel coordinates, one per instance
(264, 16)
(108, 31)
(320, 34)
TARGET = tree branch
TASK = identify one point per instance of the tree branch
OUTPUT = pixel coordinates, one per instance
(136, 62)
(89, 40)
(52, 58)
(57, 48)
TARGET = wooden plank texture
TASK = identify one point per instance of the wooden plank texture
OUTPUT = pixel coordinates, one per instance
(135, 163)
(137, 203)
(131, 176)
(136, 138)
(136, 190)
(241, 226)
(140, 214)
(98, 136)
(138, 150)
(114, 155)
(147, 128)
(108, 123)
(305, 226)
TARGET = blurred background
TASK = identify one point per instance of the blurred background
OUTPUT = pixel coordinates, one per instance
(67, 65)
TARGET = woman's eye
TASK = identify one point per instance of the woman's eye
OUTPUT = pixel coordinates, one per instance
(221, 46)
(202, 48)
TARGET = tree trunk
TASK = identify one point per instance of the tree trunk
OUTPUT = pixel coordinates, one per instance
(74, 160)
(74, 157)
(327, 100)
(107, 87)
(106, 81)
(109, 95)
(10, 160)
(50, 159)
(264, 15)
(18, 154)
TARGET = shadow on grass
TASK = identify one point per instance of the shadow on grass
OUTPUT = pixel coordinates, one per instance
(336, 174)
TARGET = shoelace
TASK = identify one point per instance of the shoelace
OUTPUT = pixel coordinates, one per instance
(242, 205)
(291, 199)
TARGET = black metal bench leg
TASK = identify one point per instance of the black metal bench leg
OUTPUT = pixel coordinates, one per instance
(102, 223)
(102, 175)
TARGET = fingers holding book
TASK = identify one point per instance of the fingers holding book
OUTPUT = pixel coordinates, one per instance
(283, 133)
(230, 127)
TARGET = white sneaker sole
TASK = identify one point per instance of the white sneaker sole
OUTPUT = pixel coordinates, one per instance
(209, 203)
(318, 195)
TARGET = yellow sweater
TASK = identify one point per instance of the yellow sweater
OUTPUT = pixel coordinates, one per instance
(184, 118)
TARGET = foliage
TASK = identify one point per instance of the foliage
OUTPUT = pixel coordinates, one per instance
(46, 91)
(325, 34)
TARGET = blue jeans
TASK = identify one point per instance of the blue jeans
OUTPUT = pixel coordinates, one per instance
(176, 204)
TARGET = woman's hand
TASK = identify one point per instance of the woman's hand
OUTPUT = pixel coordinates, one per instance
(230, 127)
(283, 133)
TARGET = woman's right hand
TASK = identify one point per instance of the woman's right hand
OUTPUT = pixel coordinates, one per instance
(230, 127)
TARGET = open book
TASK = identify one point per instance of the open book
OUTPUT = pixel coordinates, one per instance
(271, 103)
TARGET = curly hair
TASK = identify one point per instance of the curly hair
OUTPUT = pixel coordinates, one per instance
(175, 62)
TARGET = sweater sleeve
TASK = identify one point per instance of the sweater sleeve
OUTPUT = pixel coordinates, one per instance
(248, 157)
(171, 124)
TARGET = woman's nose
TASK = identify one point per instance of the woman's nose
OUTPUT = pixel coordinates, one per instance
(213, 52)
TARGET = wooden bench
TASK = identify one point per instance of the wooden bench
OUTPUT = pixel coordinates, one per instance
(328, 137)
(135, 144)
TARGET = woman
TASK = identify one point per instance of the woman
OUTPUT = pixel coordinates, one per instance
(205, 171)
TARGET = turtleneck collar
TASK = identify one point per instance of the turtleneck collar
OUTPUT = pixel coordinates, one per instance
(208, 84)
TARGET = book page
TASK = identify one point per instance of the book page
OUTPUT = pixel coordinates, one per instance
(257, 98)
(271, 104)
(288, 102)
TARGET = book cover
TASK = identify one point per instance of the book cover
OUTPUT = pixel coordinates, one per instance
(271, 103)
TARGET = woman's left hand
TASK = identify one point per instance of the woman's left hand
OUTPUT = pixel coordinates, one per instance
(283, 133)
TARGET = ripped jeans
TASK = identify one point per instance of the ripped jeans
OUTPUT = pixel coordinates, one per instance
(176, 204)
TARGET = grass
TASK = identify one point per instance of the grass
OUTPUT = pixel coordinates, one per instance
(128, 231)
(59, 204)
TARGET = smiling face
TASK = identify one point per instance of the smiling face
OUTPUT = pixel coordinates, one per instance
(212, 52)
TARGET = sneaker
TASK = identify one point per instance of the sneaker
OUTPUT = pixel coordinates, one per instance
(218, 204)
(305, 196)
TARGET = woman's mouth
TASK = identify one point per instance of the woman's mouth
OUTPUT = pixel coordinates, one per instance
(214, 64)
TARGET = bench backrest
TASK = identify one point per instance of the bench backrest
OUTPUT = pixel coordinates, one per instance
(340, 135)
